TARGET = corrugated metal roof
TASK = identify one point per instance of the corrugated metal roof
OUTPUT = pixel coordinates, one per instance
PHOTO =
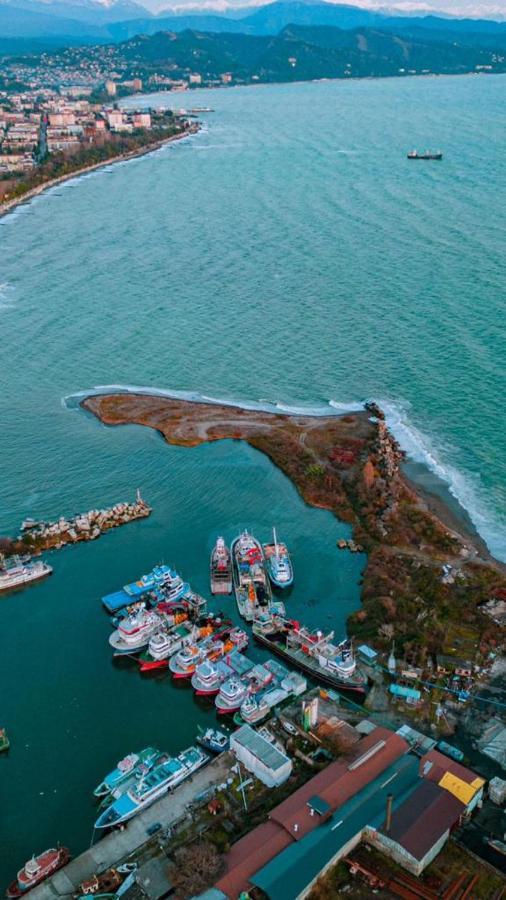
(435, 766)
(424, 818)
(290, 872)
(251, 740)
(337, 783)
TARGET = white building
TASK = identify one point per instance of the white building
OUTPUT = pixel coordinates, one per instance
(260, 757)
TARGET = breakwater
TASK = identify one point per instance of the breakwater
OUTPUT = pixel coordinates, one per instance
(39, 536)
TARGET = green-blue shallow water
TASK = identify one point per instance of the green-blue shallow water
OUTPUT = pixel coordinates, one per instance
(288, 253)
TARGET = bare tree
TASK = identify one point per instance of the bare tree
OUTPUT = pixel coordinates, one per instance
(196, 868)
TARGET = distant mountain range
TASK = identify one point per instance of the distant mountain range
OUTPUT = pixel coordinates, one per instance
(25, 24)
(297, 53)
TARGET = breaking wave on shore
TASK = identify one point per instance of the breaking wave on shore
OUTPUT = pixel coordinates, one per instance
(419, 446)
(463, 486)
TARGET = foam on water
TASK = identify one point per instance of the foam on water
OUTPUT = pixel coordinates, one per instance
(465, 487)
(6, 295)
(72, 401)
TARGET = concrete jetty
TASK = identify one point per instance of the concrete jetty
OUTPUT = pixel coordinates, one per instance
(84, 527)
(117, 846)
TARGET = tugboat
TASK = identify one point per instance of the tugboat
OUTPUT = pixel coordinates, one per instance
(37, 869)
(311, 651)
(221, 569)
(213, 740)
(278, 563)
(252, 589)
(414, 154)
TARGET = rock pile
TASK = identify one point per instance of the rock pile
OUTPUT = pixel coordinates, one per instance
(84, 527)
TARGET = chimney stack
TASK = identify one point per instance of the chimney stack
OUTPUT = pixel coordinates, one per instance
(388, 819)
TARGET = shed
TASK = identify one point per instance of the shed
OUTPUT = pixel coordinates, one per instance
(407, 693)
(260, 756)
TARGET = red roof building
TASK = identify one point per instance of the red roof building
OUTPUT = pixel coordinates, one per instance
(296, 816)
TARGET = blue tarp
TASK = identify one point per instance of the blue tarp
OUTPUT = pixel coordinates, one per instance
(116, 601)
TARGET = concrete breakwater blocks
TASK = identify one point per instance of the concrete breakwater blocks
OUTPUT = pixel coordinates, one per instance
(84, 527)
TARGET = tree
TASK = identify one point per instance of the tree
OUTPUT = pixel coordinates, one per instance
(196, 868)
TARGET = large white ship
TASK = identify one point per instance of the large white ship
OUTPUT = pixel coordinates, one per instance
(21, 573)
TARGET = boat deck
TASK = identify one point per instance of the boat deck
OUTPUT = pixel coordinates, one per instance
(117, 846)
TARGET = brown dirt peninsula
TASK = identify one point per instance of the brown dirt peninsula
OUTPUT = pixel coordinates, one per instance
(351, 465)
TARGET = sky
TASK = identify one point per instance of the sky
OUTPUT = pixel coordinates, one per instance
(485, 8)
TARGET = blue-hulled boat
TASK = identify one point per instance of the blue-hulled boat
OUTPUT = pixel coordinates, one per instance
(134, 762)
(154, 785)
(278, 563)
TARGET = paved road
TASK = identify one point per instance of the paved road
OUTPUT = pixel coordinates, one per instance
(118, 845)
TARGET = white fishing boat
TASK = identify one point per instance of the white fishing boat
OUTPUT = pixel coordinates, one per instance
(278, 563)
(19, 573)
(221, 568)
(251, 585)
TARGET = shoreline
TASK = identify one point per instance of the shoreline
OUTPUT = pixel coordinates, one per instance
(9, 205)
(427, 572)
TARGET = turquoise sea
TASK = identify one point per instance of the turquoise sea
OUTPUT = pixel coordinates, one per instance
(288, 254)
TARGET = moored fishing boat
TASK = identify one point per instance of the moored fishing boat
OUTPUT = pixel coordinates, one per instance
(231, 695)
(213, 740)
(312, 652)
(37, 869)
(161, 584)
(212, 648)
(134, 631)
(166, 642)
(19, 573)
(161, 779)
(221, 568)
(130, 764)
(235, 689)
(278, 563)
(251, 585)
(209, 676)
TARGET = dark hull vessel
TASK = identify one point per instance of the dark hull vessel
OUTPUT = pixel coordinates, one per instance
(427, 155)
(322, 661)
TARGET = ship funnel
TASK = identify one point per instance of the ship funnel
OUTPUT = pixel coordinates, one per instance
(388, 815)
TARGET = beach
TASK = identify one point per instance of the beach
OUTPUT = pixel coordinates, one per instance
(9, 205)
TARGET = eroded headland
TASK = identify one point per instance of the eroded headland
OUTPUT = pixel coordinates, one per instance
(429, 582)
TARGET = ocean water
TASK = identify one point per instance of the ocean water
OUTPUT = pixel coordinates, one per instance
(287, 255)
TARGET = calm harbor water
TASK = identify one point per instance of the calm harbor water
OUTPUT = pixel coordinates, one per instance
(288, 253)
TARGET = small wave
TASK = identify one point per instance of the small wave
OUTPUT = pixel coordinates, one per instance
(466, 489)
(6, 295)
(352, 406)
(71, 401)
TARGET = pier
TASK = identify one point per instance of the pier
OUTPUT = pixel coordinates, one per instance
(118, 845)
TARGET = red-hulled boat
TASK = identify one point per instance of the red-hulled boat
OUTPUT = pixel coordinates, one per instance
(37, 869)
